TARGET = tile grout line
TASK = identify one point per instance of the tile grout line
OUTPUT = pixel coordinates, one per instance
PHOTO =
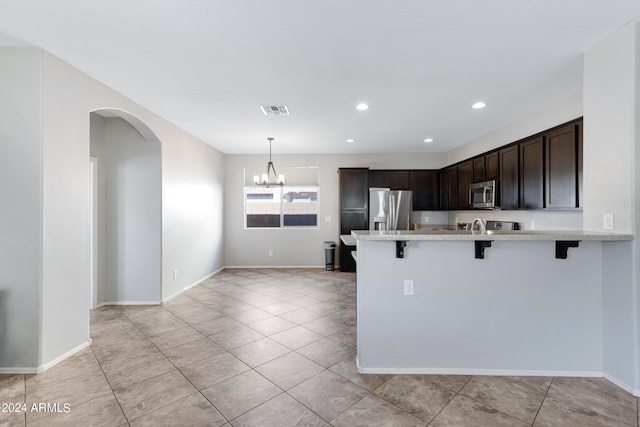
(451, 400)
(542, 402)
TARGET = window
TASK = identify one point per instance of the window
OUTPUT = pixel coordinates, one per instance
(292, 205)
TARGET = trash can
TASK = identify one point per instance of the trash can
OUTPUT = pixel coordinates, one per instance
(329, 254)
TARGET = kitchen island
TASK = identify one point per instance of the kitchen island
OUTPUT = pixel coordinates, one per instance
(501, 303)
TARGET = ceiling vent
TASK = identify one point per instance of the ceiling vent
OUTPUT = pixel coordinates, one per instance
(275, 110)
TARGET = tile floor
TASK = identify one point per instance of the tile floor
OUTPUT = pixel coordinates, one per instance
(274, 347)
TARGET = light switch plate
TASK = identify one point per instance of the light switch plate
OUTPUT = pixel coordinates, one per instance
(408, 287)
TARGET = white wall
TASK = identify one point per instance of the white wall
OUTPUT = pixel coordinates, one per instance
(62, 132)
(302, 247)
(611, 95)
(555, 114)
(21, 213)
(130, 198)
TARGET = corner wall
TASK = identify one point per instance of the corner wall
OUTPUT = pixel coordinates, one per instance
(21, 213)
(611, 97)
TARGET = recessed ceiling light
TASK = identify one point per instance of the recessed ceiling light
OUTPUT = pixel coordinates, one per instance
(362, 107)
(351, 140)
(428, 140)
(479, 105)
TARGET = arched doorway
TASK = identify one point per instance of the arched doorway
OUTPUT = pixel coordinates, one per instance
(126, 215)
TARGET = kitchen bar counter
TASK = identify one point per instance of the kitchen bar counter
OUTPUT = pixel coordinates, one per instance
(549, 235)
(426, 305)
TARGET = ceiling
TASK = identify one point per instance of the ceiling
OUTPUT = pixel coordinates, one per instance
(207, 65)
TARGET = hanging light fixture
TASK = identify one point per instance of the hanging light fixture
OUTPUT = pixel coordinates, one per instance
(270, 177)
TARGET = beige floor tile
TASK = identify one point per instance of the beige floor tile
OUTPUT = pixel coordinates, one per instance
(281, 411)
(325, 326)
(155, 327)
(279, 308)
(258, 352)
(141, 398)
(348, 336)
(184, 306)
(374, 411)
(347, 369)
(507, 397)
(464, 412)
(229, 307)
(556, 412)
(304, 301)
(449, 382)
(327, 352)
(213, 370)
(250, 316)
(260, 301)
(200, 316)
(128, 372)
(192, 411)
(241, 393)
(271, 326)
(420, 398)
(174, 338)
(325, 307)
(192, 352)
(101, 411)
(11, 385)
(296, 337)
(236, 337)
(116, 353)
(327, 394)
(217, 325)
(16, 416)
(301, 316)
(597, 395)
(289, 370)
(540, 384)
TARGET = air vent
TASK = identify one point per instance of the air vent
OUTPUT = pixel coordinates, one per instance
(275, 110)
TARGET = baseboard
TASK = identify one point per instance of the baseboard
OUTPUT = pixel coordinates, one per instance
(626, 387)
(197, 282)
(487, 372)
(231, 267)
(40, 369)
(132, 303)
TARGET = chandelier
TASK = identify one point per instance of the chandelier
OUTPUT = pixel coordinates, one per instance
(270, 177)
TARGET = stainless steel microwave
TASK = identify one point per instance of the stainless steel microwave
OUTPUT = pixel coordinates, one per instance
(482, 195)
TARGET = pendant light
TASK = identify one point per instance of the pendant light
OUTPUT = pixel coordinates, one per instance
(270, 177)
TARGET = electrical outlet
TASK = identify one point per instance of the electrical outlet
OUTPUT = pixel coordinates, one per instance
(270, 252)
(327, 219)
(175, 274)
(408, 287)
(607, 221)
(533, 225)
(425, 219)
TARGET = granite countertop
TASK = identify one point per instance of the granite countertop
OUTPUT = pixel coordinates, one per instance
(442, 235)
(348, 239)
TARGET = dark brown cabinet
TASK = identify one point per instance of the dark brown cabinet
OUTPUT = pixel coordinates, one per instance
(532, 174)
(452, 187)
(399, 180)
(508, 186)
(561, 171)
(424, 185)
(354, 214)
(580, 156)
(465, 179)
(491, 166)
(444, 189)
(378, 179)
(479, 169)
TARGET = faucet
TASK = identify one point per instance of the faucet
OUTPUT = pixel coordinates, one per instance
(482, 223)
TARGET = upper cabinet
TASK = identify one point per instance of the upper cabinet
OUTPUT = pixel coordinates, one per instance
(465, 179)
(424, 185)
(378, 179)
(479, 168)
(508, 188)
(561, 165)
(354, 188)
(399, 180)
(491, 166)
(532, 174)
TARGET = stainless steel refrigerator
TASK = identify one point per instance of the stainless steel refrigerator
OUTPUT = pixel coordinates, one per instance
(389, 210)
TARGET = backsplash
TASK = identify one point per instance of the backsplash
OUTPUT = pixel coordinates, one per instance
(542, 220)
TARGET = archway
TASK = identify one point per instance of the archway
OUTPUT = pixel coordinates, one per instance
(126, 222)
